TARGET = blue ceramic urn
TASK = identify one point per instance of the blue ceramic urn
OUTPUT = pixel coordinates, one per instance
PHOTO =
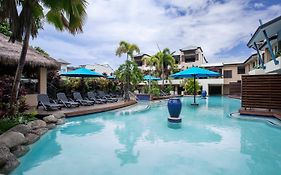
(204, 94)
(174, 107)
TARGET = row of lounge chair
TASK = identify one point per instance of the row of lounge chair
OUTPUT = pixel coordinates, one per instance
(62, 101)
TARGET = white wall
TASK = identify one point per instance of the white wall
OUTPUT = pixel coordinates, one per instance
(211, 81)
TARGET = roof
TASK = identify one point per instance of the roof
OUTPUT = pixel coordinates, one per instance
(272, 27)
(141, 55)
(212, 65)
(220, 64)
(62, 61)
(253, 56)
(10, 54)
(191, 48)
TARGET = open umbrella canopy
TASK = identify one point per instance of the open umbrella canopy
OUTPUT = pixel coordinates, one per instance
(82, 72)
(195, 72)
(111, 77)
(149, 77)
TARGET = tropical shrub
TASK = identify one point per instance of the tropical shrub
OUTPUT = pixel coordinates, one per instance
(129, 70)
(69, 85)
(6, 82)
(155, 91)
(188, 86)
(11, 121)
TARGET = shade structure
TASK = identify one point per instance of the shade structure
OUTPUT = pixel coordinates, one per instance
(149, 77)
(82, 72)
(195, 72)
(111, 77)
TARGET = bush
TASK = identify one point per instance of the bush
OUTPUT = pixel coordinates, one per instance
(6, 82)
(69, 85)
(155, 91)
(11, 121)
(189, 86)
(168, 88)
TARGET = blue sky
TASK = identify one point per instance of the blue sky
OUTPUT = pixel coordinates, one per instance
(221, 27)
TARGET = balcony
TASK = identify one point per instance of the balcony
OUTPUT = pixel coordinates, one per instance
(270, 67)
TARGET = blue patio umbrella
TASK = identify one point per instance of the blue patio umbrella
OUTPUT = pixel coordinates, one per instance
(111, 77)
(195, 72)
(82, 72)
(149, 77)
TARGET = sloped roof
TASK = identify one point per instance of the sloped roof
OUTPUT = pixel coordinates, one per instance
(10, 54)
(62, 61)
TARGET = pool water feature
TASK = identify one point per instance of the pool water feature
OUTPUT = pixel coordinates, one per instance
(207, 142)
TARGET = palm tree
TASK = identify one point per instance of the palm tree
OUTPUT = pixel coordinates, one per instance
(165, 60)
(26, 18)
(150, 61)
(129, 50)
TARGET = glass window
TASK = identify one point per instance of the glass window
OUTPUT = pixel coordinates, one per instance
(241, 70)
(227, 73)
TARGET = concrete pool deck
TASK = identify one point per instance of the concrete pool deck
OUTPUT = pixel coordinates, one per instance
(83, 110)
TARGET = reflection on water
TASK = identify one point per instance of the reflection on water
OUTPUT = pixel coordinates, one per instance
(47, 148)
(173, 125)
(206, 142)
(82, 128)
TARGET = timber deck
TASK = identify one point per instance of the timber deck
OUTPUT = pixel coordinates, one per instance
(83, 110)
(261, 112)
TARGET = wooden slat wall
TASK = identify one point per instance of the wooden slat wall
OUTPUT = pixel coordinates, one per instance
(235, 88)
(261, 91)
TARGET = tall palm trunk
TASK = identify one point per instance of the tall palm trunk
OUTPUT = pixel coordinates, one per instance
(162, 74)
(126, 89)
(21, 63)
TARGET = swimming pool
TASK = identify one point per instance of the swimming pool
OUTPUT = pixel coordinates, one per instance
(139, 141)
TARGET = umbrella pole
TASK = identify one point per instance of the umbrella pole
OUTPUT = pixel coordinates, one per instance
(194, 91)
(149, 86)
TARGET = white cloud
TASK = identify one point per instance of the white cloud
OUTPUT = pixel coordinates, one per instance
(213, 25)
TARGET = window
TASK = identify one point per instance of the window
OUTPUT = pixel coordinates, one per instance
(254, 65)
(188, 59)
(241, 70)
(227, 73)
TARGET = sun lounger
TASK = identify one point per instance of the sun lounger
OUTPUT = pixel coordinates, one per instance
(43, 100)
(77, 97)
(92, 96)
(107, 97)
(65, 101)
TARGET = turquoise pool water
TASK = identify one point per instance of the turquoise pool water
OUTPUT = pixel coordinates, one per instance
(132, 142)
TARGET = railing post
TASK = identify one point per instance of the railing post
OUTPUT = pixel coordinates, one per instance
(259, 56)
(270, 48)
(269, 45)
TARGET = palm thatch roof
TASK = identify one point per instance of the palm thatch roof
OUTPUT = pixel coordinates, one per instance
(10, 54)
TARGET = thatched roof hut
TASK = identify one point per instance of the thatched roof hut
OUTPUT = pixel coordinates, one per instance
(10, 54)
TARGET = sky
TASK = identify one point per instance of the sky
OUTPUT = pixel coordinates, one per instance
(221, 28)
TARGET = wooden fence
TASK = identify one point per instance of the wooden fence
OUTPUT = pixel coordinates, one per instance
(261, 91)
(235, 88)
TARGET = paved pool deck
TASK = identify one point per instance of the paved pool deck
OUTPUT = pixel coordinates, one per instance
(83, 110)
